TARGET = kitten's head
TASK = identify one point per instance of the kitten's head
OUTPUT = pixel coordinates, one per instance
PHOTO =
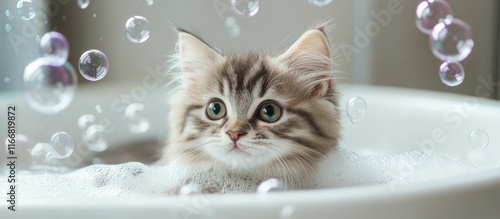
(254, 113)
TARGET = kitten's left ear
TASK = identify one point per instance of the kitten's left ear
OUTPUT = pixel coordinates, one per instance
(311, 60)
(195, 55)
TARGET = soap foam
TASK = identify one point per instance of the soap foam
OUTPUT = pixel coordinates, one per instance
(343, 168)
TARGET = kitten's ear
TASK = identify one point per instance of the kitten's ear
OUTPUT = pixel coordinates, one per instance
(195, 56)
(311, 60)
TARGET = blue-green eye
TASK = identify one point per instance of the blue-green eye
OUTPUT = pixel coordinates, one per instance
(269, 112)
(216, 109)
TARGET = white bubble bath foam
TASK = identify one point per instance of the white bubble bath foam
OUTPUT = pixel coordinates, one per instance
(413, 154)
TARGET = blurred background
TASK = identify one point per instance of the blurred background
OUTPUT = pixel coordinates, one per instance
(391, 53)
(370, 49)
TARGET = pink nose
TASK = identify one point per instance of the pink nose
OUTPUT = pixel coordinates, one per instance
(235, 135)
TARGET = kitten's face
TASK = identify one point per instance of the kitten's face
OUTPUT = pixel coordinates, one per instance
(254, 113)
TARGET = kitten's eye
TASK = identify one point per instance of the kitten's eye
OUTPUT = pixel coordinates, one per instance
(269, 112)
(216, 109)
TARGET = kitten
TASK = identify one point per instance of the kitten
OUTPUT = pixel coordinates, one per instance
(254, 114)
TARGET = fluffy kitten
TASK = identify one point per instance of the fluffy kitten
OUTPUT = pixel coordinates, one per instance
(255, 114)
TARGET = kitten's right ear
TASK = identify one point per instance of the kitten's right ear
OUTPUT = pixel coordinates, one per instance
(195, 56)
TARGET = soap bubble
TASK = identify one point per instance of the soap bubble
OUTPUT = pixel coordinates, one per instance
(55, 46)
(287, 211)
(7, 28)
(430, 13)
(26, 9)
(320, 3)
(451, 40)
(271, 185)
(93, 65)
(246, 7)
(98, 108)
(9, 15)
(83, 3)
(85, 121)
(138, 29)
(6, 79)
(94, 138)
(42, 153)
(356, 109)
(232, 26)
(190, 189)
(479, 139)
(135, 113)
(62, 145)
(451, 73)
(49, 86)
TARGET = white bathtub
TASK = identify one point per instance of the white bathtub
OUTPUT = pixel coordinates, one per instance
(397, 120)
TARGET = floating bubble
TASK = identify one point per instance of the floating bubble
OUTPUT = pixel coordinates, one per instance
(138, 29)
(479, 139)
(42, 153)
(93, 65)
(85, 121)
(271, 185)
(135, 113)
(287, 211)
(98, 108)
(356, 109)
(150, 2)
(9, 15)
(83, 3)
(62, 145)
(430, 13)
(94, 138)
(26, 9)
(451, 73)
(55, 46)
(49, 86)
(190, 189)
(320, 3)
(7, 28)
(246, 7)
(451, 40)
(6, 79)
(233, 28)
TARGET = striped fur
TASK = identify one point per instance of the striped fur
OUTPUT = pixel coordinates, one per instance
(299, 80)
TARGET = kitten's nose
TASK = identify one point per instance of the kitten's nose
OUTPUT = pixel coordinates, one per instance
(235, 135)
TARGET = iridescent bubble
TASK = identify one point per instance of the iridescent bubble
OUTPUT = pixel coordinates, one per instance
(190, 189)
(26, 9)
(83, 3)
(49, 86)
(451, 73)
(430, 13)
(138, 29)
(93, 65)
(7, 28)
(54, 46)
(246, 7)
(62, 145)
(451, 40)
(479, 139)
(356, 109)
(6, 79)
(135, 114)
(85, 121)
(94, 138)
(272, 185)
(320, 3)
